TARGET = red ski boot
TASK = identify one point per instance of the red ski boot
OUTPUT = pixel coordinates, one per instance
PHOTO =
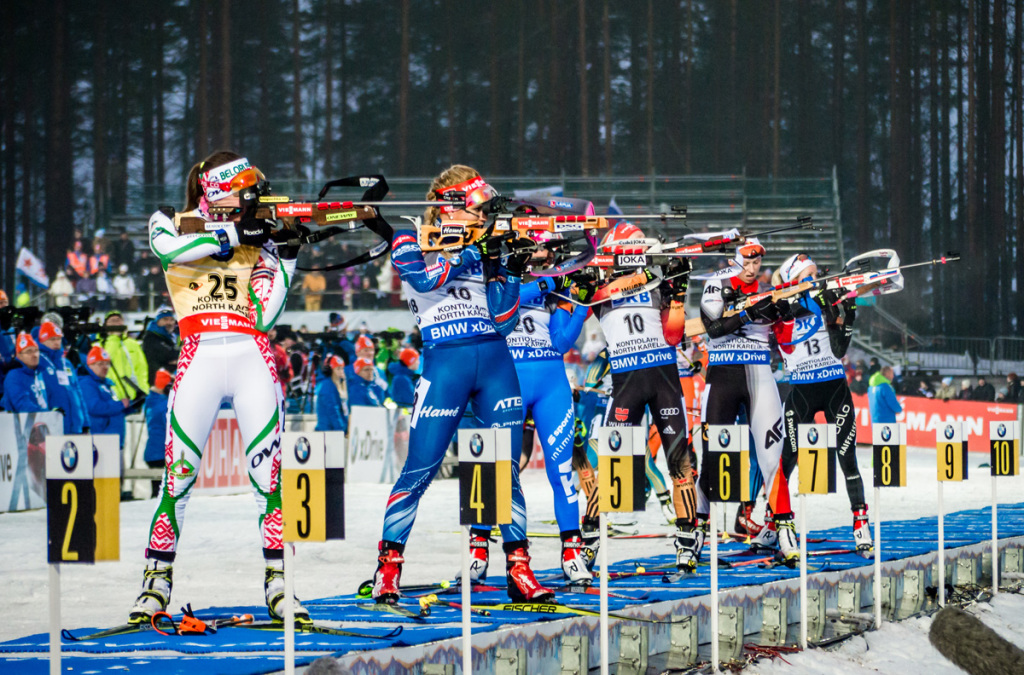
(522, 585)
(744, 520)
(389, 573)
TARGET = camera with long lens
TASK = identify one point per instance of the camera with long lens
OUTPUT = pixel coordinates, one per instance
(18, 319)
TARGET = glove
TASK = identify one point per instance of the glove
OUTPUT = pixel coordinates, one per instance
(586, 287)
(490, 249)
(253, 232)
(696, 367)
(827, 300)
(785, 310)
(764, 310)
(678, 267)
(287, 251)
(519, 257)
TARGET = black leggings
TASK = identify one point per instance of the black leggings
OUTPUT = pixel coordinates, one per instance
(657, 388)
(832, 398)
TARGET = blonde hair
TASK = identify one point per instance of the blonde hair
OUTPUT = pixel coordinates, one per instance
(453, 175)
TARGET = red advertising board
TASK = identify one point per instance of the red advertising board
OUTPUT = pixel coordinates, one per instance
(223, 463)
(923, 416)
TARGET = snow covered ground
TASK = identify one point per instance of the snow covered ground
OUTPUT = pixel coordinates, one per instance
(219, 560)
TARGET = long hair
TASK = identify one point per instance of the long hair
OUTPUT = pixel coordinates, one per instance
(453, 175)
(194, 191)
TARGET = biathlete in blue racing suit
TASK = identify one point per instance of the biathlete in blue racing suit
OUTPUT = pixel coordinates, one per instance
(464, 303)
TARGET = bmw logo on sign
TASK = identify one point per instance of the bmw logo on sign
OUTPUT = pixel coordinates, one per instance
(302, 450)
(886, 434)
(476, 445)
(1001, 430)
(949, 431)
(69, 456)
(614, 440)
(812, 435)
(724, 438)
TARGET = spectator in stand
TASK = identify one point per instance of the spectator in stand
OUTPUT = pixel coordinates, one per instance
(6, 346)
(984, 391)
(156, 423)
(160, 343)
(882, 397)
(337, 322)
(61, 290)
(153, 286)
(99, 260)
(946, 391)
(123, 251)
(873, 367)
(24, 389)
(85, 290)
(966, 391)
(124, 289)
(106, 412)
(1014, 389)
(364, 389)
(142, 263)
(924, 390)
(128, 364)
(77, 261)
(313, 286)
(331, 396)
(63, 390)
(404, 373)
(104, 290)
(858, 385)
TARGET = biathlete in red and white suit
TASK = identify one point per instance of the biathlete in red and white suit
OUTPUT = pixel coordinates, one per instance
(228, 286)
(740, 374)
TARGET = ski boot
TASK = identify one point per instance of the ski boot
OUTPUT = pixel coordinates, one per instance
(273, 588)
(688, 542)
(156, 591)
(389, 573)
(478, 556)
(522, 585)
(862, 529)
(789, 546)
(574, 559)
(667, 507)
(744, 520)
(591, 541)
(767, 539)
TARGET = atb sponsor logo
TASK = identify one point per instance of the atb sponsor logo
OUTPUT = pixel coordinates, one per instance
(668, 412)
(509, 403)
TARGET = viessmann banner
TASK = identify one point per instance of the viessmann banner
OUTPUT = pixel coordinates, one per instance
(924, 415)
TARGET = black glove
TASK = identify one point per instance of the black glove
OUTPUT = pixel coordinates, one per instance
(586, 287)
(785, 310)
(490, 249)
(285, 250)
(827, 300)
(696, 367)
(678, 267)
(764, 310)
(519, 257)
(253, 232)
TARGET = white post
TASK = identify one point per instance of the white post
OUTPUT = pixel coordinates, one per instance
(942, 549)
(803, 572)
(289, 610)
(55, 619)
(995, 542)
(467, 587)
(714, 586)
(878, 558)
(603, 554)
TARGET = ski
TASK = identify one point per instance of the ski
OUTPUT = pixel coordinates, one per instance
(322, 629)
(165, 626)
(454, 588)
(543, 608)
(395, 609)
(366, 588)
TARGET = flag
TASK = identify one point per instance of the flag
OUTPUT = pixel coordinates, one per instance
(613, 210)
(32, 267)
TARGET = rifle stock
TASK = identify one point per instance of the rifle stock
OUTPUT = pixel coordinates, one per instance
(286, 211)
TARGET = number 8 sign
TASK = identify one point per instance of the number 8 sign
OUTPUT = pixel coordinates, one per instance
(889, 443)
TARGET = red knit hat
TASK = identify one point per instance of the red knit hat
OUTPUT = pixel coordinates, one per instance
(25, 341)
(363, 342)
(361, 363)
(49, 330)
(97, 354)
(162, 379)
(409, 357)
(334, 362)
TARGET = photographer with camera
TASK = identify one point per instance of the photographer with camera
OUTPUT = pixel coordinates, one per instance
(127, 360)
(160, 343)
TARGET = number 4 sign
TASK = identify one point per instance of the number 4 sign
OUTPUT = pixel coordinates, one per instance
(485, 476)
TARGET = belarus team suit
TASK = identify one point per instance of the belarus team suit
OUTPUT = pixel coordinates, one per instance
(463, 319)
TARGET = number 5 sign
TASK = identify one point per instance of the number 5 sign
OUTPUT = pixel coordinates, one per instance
(620, 468)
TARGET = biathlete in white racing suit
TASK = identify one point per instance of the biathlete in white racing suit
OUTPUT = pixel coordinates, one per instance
(739, 374)
(228, 285)
(812, 339)
(642, 331)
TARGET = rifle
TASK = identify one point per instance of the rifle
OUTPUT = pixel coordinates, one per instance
(853, 282)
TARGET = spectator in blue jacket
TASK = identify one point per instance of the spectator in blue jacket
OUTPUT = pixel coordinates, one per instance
(62, 387)
(882, 397)
(24, 388)
(331, 412)
(155, 410)
(404, 373)
(364, 389)
(106, 413)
